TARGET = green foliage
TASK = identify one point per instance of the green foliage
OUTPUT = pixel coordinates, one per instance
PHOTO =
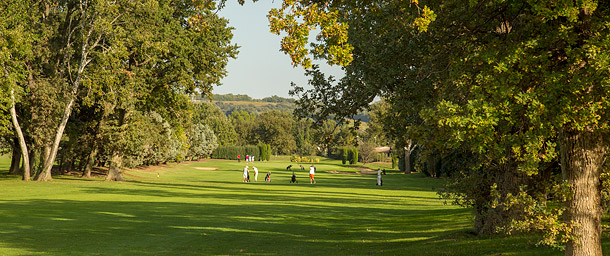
(367, 153)
(265, 152)
(213, 117)
(297, 20)
(344, 155)
(231, 152)
(202, 141)
(268, 151)
(231, 97)
(304, 159)
(295, 158)
(244, 97)
(275, 128)
(255, 107)
(490, 88)
(353, 155)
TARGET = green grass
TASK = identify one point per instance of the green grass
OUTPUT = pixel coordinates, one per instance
(191, 211)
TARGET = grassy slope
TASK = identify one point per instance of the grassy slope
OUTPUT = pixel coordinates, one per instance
(190, 211)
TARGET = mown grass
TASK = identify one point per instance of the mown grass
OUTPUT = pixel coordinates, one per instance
(192, 210)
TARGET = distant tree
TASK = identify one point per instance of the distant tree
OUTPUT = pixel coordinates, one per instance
(353, 155)
(231, 97)
(304, 137)
(202, 141)
(244, 125)
(210, 115)
(367, 152)
(275, 129)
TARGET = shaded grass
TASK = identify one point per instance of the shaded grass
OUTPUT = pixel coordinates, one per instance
(188, 211)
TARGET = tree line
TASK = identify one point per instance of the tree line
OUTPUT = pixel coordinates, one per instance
(287, 134)
(105, 83)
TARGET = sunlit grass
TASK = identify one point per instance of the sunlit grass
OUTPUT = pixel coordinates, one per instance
(196, 209)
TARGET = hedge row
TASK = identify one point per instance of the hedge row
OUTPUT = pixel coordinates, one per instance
(231, 152)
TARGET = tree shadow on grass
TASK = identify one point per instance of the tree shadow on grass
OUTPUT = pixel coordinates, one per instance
(62, 227)
(66, 227)
(309, 191)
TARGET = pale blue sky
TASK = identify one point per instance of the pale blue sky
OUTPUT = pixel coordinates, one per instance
(260, 69)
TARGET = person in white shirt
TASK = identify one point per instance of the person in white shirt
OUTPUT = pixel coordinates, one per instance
(255, 174)
(246, 174)
(312, 173)
(379, 182)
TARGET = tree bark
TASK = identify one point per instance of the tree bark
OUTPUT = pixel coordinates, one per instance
(582, 156)
(408, 150)
(45, 173)
(114, 171)
(16, 158)
(22, 145)
(407, 161)
(90, 162)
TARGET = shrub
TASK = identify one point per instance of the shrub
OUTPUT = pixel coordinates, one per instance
(344, 155)
(295, 158)
(353, 155)
(268, 155)
(264, 151)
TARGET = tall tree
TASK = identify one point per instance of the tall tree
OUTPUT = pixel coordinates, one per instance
(507, 81)
(275, 128)
(17, 38)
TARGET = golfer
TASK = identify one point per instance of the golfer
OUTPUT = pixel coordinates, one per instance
(255, 174)
(246, 174)
(312, 173)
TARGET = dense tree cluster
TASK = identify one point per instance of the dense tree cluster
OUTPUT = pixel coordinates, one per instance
(507, 97)
(105, 82)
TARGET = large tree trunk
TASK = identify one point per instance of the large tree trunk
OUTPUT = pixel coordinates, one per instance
(114, 171)
(90, 162)
(45, 158)
(408, 150)
(582, 156)
(22, 145)
(34, 160)
(407, 161)
(48, 163)
(15, 159)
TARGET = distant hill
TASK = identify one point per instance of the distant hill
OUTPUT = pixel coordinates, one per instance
(241, 102)
(243, 97)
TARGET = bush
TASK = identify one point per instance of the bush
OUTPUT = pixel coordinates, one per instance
(264, 151)
(298, 159)
(344, 155)
(353, 155)
(295, 158)
(268, 156)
